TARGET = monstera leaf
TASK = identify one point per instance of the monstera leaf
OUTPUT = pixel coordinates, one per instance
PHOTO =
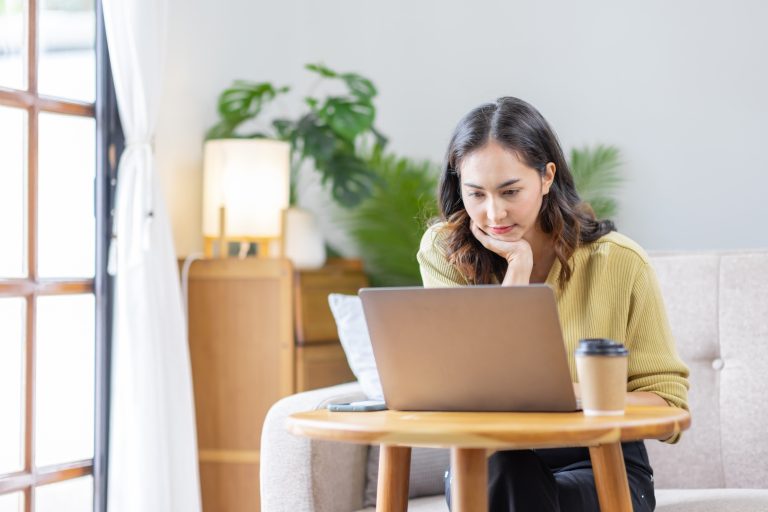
(313, 139)
(358, 85)
(239, 103)
(348, 118)
(351, 177)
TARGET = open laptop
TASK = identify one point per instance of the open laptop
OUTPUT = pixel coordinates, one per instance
(476, 348)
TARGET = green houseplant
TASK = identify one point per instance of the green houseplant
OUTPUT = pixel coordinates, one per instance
(389, 224)
(328, 133)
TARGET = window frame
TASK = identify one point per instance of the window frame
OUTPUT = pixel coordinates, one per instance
(109, 146)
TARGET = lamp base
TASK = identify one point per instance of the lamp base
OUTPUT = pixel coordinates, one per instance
(302, 241)
(216, 247)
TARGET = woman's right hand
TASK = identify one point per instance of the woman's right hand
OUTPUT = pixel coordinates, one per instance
(518, 254)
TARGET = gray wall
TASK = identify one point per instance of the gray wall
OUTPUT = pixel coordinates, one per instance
(680, 86)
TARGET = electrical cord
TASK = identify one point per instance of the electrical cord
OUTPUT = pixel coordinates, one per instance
(185, 280)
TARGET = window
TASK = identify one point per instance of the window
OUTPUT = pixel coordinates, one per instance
(59, 138)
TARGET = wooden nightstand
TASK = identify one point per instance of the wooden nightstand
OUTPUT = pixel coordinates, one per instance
(258, 331)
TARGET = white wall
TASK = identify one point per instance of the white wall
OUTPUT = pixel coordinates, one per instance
(680, 86)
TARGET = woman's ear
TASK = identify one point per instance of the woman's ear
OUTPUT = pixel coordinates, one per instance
(548, 178)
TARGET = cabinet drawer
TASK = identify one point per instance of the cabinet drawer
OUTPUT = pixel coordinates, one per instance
(314, 321)
(319, 366)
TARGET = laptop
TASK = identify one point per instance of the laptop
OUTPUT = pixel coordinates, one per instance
(475, 348)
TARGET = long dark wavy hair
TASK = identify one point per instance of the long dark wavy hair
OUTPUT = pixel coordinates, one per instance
(520, 128)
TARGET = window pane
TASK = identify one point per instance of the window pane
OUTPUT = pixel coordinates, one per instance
(12, 36)
(67, 496)
(64, 379)
(12, 321)
(12, 190)
(65, 195)
(12, 502)
(67, 57)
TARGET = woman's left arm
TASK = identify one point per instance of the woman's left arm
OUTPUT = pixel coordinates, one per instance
(634, 397)
(657, 375)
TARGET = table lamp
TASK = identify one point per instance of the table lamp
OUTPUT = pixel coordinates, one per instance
(245, 190)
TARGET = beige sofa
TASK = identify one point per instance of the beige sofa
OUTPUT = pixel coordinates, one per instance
(718, 309)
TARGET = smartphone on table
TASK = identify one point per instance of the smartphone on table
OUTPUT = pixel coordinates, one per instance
(359, 406)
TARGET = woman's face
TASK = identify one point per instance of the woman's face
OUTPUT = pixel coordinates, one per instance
(501, 194)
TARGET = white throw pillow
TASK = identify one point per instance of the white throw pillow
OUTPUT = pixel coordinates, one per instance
(353, 333)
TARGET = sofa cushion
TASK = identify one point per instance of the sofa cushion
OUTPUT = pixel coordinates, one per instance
(744, 379)
(711, 500)
(718, 312)
(689, 285)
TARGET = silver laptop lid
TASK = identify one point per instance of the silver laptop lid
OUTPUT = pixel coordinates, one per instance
(477, 348)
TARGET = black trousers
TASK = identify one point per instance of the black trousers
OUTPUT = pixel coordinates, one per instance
(559, 480)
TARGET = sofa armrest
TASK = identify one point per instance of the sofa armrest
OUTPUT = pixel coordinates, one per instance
(300, 474)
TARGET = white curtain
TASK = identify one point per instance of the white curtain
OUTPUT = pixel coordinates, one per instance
(152, 452)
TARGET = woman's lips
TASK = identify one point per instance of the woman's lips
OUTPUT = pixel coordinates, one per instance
(500, 230)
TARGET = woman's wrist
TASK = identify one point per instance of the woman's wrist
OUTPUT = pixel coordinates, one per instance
(519, 268)
(516, 277)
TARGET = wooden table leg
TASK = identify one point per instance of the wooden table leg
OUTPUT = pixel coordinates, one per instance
(469, 489)
(610, 478)
(394, 471)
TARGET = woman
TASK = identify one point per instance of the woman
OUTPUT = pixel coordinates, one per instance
(510, 215)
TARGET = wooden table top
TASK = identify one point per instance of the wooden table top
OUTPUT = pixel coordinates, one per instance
(511, 430)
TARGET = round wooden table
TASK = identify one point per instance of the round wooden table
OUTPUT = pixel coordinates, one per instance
(470, 434)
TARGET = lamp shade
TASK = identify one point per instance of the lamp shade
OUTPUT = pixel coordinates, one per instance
(248, 177)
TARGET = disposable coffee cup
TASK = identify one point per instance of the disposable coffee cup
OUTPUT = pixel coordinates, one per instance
(601, 365)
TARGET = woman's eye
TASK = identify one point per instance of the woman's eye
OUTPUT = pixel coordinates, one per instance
(475, 194)
(511, 192)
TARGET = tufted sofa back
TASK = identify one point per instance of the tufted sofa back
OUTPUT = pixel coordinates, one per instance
(718, 310)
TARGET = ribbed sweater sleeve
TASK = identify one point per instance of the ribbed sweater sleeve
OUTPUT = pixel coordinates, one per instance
(655, 364)
(436, 271)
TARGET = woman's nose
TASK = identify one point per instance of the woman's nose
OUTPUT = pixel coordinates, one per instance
(496, 211)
